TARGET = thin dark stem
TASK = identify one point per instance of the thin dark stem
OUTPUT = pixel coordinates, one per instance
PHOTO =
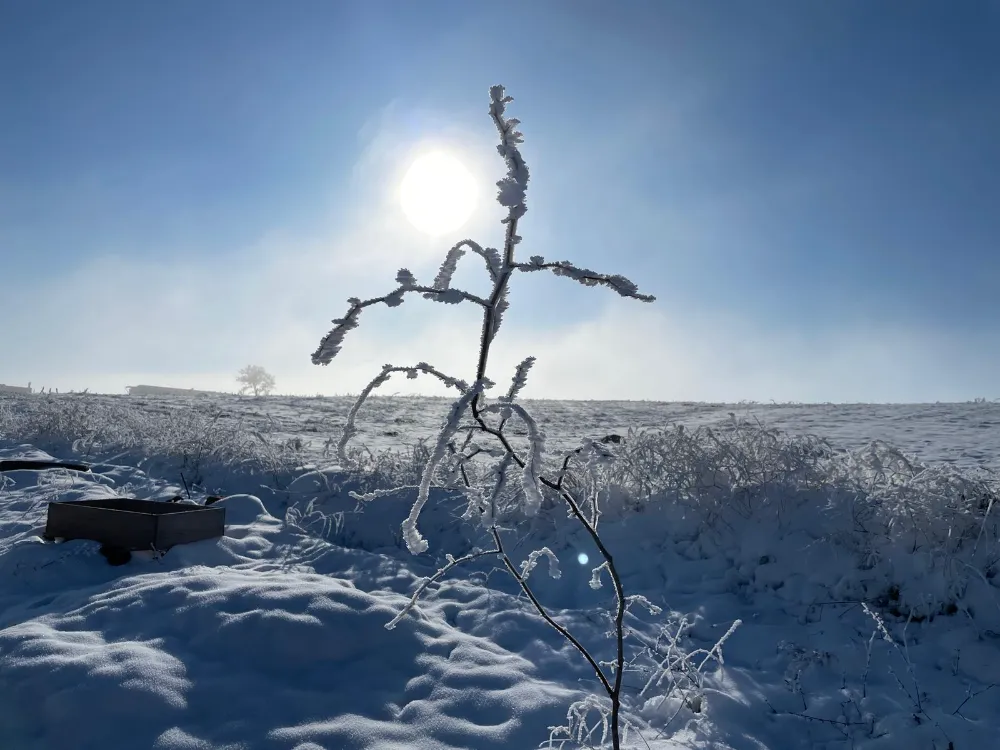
(545, 615)
(615, 693)
(969, 697)
(436, 577)
(489, 314)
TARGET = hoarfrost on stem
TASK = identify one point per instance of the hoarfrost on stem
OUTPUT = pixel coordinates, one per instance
(484, 497)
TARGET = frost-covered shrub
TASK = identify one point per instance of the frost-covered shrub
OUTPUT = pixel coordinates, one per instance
(917, 536)
(742, 467)
(474, 451)
(185, 438)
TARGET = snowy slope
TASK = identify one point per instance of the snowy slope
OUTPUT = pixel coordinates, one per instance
(273, 636)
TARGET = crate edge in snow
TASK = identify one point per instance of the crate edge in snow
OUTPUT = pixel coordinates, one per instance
(141, 525)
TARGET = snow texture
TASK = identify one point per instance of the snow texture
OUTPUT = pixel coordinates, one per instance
(274, 635)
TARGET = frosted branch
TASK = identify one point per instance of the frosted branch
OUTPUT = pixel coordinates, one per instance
(512, 188)
(517, 383)
(415, 543)
(331, 344)
(595, 575)
(642, 601)
(411, 372)
(405, 278)
(529, 565)
(585, 276)
(483, 506)
(366, 497)
(499, 308)
(490, 255)
(532, 468)
(452, 562)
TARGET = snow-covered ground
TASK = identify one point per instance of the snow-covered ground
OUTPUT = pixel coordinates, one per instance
(273, 636)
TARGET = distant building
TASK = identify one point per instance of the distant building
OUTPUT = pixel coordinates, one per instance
(158, 390)
(15, 388)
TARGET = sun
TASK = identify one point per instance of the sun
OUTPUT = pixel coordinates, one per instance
(438, 194)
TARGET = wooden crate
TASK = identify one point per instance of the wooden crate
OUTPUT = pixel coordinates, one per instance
(33, 465)
(134, 524)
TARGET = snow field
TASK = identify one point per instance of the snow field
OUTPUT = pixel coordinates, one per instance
(241, 643)
(274, 636)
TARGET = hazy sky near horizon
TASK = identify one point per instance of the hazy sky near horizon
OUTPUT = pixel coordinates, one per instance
(811, 190)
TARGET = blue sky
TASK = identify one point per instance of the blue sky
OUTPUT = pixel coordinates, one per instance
(809, 188)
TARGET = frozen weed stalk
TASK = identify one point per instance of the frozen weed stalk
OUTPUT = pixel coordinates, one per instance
(491, 493)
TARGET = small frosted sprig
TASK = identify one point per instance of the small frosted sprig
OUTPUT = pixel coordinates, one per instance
(485, 506)
(405, 278)
(499, 309)
(331, 344)
(427, 369)
(529, 565)
(578, 730)
(448, 267)
(416, 543)
(350, 430)
(643, 602)
(425, 582)
(879, 623)
(531, 472)
(511, 190)
(490, 255)
(585, 276)
(595, 575)
(517, 383)
(461, 457)
(367, 497)
(477, 506)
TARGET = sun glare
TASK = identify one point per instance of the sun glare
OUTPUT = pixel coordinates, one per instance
(438, 194)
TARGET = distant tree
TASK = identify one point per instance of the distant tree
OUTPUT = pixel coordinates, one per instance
(256, 379)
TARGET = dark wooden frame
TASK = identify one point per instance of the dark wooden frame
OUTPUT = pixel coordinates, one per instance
(134, 524)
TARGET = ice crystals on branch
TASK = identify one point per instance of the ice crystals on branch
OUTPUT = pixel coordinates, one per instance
(452, 562)
(331, 344)
(493, 262)
(643, 602)
(512, 188)
(595, 575)
(517, 383)
(529, 565)
(499, 308)
(414, 541)
(448, 296)
(531, 471)
(350, 430)
(490, 255)
(443, 279)
(482, 502)
(405, 278)
(585, 276)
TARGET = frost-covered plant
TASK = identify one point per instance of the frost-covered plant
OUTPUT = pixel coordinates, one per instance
(190, 438)
(513, 480)
(739, 466)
